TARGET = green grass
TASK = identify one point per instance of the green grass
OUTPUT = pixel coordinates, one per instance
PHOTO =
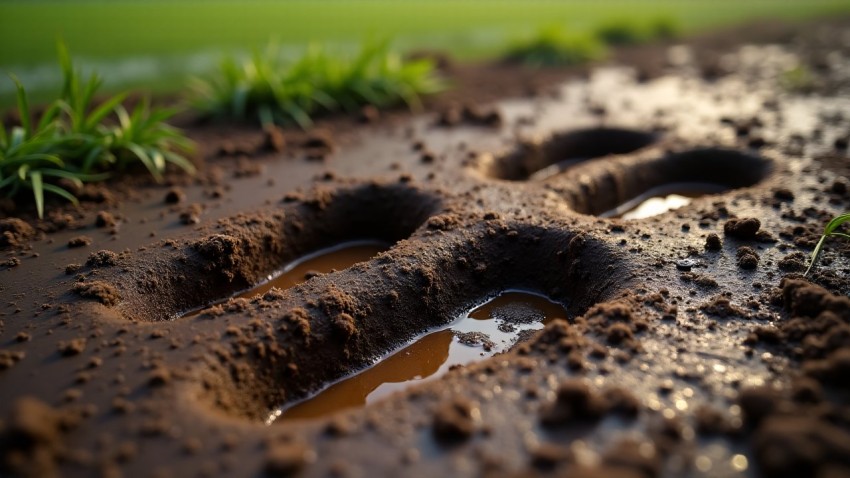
(76, 140)
(831, 229)
(156, 43)
(271, 90)
(554, 46)
(629, 31)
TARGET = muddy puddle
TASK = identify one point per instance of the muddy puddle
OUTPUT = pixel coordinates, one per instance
(334, 258)
(663, 199)
(486, 330)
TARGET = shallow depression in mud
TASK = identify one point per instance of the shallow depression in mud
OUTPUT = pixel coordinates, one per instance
(642, 188)
(538, 160)
(323, 261)
(486, 330)
(663, 199)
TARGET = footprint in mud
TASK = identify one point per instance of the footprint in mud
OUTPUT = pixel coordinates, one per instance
(662, 199)
(538, 160)
(323, 261)
(491, 328)
(642, 187)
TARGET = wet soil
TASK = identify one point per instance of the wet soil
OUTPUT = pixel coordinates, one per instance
(692, 345)
(491, 328)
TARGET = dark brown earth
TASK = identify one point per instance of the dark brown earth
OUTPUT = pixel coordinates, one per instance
(729, 364)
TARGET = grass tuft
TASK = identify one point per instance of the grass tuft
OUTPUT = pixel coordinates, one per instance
(76, 141)
(829, 230)
(271, 90)
(621, 32)
(625, 31)
(554, 46)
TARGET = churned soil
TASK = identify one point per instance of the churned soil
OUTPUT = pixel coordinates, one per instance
(695, 344)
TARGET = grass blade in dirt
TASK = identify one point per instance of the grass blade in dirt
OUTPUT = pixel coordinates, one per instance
(268, 89)
(829, 230)
(78, 140)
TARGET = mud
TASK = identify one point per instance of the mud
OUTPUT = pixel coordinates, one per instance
(491, 328)
(693, 345)
(662, 199)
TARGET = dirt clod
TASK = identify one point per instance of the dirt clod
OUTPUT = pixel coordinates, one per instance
(104, 293)
(574, 401)
(15, 233)
(742, 228)
(456, 419)
(174, 196)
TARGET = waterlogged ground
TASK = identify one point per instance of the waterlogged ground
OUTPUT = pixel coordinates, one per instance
(689, 343)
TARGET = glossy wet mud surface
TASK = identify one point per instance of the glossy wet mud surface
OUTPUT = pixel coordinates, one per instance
(335, 258)
(663, 199)
(695, 346)
(491, 328)
(330, 259)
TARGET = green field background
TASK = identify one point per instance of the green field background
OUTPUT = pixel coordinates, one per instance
(166, 40)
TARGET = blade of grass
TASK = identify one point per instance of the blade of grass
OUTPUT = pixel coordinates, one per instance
(38, 192)
(829, 230)
(23, 106)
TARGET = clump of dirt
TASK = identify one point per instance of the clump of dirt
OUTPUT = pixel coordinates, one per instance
(574, 402)
(456, 420)
(102, 292)
(15, 233)
(31, 441)
(742, 228)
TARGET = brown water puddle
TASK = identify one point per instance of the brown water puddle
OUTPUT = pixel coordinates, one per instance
(502, 319)
(662, 199)
(338, 257)
(341, 256)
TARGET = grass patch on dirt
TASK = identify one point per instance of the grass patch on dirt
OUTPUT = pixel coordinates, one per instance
(156, 43)
(554, 46)
(76, 140)
(271, 90)
(624, 31)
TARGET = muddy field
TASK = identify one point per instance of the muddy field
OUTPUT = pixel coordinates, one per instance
(500, 224)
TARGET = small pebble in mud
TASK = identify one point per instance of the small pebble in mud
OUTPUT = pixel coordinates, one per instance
(456, 419)
(79, 241)
(174, 196)
(745, 228)
(686, 264)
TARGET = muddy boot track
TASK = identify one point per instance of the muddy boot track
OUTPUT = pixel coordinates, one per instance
(694, 346)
